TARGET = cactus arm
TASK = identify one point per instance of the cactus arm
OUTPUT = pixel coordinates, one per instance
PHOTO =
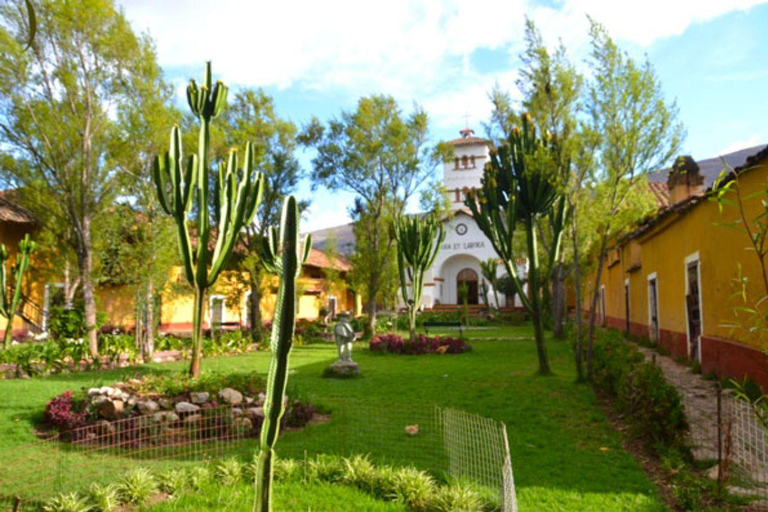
(161, 184)
(26, 247)
(281, 342)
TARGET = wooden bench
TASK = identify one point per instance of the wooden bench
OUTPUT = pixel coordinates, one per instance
(427, 325)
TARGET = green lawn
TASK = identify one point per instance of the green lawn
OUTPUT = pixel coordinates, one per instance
(564, 452)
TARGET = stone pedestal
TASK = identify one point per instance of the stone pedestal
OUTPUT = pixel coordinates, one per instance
(341, 369)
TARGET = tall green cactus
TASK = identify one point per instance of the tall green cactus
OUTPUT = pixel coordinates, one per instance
(184, 191)
(10, 299)
(520, 186)
(283, 255)
(418, 242)
(488, 270)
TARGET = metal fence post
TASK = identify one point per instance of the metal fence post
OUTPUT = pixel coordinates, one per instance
(719, 392)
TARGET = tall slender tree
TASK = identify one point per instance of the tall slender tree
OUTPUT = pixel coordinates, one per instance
(383, 157)
(55, 104)
(638, 132)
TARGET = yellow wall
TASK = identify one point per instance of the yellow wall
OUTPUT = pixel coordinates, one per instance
(663, 250)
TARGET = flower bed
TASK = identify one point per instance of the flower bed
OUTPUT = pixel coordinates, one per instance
(165, 409)
(394, 344)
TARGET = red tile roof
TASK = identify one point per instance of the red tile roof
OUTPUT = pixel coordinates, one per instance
(660, 193)
(318, 258)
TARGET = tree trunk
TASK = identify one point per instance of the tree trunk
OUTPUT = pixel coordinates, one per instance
(579, 345)
(8, 337)
(137, 327)
(197, 339)
(535, 297)
(85, 262)
(558, 301)
(593, 305)
(371, 310)
(149, 328)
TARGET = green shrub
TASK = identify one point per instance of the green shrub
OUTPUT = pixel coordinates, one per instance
(173, 481)
(229, 471)
(455, 497)
(286, 470)
(136, 486)
(640, 390)
(104, 498)
(411, 487)
(69, 502)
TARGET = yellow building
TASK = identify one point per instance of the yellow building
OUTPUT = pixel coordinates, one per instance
(226, 304)
(673, 278)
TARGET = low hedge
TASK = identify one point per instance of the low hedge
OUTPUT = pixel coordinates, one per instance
(640, 390)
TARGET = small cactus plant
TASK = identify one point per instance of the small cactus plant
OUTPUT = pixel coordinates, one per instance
(10, 298)
(181, 191)
(283, 255)
(418, 242)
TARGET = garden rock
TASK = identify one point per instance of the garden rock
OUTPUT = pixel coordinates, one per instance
(104, 428)
(110, 409)
(192, 419)
(261, 399)
(166, 404)
(199, 397)
(342, 369)
(166, 417)
(148, 407)
(186, 407)
(231, 396)
(243, 424)
(255, 413)
(236, 411)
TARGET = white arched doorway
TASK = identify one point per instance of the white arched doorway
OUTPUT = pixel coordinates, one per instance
(455, 271)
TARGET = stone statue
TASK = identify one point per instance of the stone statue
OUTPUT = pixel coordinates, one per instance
(345, 335)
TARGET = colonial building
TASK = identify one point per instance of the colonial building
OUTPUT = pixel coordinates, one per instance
(673, 278)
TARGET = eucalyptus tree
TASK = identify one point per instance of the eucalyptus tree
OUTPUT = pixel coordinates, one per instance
(383, 157)
(418, 242)
(519, 187)
(183, 188)
(56, 100)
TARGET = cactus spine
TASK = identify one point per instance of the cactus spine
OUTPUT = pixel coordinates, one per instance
(418, 242)
(10, 299)
(520, 186)
(282, 255)
(182, 190)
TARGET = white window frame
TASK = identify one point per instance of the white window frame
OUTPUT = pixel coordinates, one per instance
(211, 298)
(687, 261)
(653, 277)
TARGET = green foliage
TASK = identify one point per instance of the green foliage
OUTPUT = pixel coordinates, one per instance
(383, 157)
(418, 243)
(640, 389)
(173, 481)
(176, 383)
(136, 486)
(229, 471)
(281, 254)
(10, 294)
(235, 197)
(69, 502)
(105, 498)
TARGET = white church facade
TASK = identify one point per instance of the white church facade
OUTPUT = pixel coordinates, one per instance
(465, 245)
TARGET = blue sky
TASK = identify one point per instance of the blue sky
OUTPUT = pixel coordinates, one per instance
(318, 58)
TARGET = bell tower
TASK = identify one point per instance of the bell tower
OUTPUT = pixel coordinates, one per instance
(465, 171)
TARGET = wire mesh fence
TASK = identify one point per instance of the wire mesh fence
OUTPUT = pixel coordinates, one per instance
(451, 444)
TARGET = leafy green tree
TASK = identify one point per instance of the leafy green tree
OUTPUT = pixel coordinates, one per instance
(56, 101)
(384, 158)
(637, 132)
(252, 117)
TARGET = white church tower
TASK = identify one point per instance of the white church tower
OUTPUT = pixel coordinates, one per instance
(466, 170)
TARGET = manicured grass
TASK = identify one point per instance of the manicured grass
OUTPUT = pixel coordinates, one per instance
(565, 454)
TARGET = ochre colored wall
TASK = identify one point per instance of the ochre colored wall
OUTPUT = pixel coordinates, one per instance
(663, 250)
